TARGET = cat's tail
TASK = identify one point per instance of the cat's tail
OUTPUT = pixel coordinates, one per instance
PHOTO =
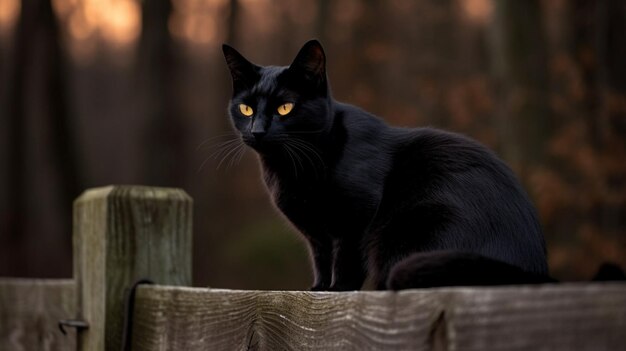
(452, 268)
(609, 272)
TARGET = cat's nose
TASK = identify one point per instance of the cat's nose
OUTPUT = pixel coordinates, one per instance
(258, 129)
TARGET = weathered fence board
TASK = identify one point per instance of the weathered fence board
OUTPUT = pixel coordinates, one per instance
(29, 313)
(122, 234)
(550, 317)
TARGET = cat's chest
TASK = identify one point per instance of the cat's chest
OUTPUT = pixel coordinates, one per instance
(306, 196)
(331, 203)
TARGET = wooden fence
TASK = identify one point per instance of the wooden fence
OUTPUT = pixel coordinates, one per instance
(124, 233)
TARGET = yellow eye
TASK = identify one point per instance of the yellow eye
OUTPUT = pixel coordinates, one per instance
(246, 110)
(285, 108)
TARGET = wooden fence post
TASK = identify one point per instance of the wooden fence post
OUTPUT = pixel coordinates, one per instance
(122, 234)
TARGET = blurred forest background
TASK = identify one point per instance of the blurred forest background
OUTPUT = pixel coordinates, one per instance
(98, 92)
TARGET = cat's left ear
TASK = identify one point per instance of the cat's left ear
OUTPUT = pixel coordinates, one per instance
(243, 72)
(311, 61)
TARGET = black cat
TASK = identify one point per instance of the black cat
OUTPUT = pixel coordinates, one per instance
(411, 207)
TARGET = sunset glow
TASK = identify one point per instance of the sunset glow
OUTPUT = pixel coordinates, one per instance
(117, 22)
(122, 23)
(195, 20)
(9, 9)
(478, 11)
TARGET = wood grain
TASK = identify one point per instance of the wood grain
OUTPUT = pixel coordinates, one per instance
(123, 234)
(550, 317)
(29, 313)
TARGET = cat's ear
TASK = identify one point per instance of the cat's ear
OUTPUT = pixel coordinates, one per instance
(244, 72)
(311, 61)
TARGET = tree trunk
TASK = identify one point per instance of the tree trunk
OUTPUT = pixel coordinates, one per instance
(16, 168)
(38, 49)
(64, 142)
(321, 22)
(521, 78)
(164, 153)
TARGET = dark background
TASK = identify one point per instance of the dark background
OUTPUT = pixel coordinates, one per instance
(98, 92)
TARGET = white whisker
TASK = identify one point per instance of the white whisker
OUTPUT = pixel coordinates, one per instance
(204, 142)
(231, 152)
(223, 149)
(289, 153)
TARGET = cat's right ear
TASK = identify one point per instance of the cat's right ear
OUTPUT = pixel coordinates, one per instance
(243, 72)
(311, 61)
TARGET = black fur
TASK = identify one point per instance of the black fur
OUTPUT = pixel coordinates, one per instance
(368, 196)
(609, 272)
(452, 268)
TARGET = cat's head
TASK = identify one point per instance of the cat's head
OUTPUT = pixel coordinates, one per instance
(271, 104)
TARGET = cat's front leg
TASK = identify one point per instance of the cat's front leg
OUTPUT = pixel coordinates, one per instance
(349, 269)
(322, 255)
